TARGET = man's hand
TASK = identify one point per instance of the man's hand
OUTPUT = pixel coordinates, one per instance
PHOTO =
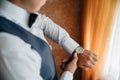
(70, 64)
(87, 60)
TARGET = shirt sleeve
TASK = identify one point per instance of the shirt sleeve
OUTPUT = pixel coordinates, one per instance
(56, 33)
(17, 60)
(66, 76)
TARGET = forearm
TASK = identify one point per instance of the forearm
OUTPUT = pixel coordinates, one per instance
(56, 33)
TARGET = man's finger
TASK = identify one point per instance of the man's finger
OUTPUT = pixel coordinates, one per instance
(93, 62)
(94, 57)
(84, 67)
(75, 58)
(64, 60)
(89, 64)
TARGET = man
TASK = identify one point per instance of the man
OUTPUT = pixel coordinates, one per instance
(25, 53)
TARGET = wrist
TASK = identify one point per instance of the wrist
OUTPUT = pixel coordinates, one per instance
(79, 50)
(71, 69)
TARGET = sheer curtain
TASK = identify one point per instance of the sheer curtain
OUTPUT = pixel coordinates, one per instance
(98, 28)
(112, 66)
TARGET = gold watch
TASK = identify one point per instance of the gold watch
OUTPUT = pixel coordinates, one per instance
(79, 50)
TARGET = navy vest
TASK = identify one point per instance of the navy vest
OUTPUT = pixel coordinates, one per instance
(48, 70)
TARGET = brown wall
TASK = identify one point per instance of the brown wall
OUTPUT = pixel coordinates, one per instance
(68, 14)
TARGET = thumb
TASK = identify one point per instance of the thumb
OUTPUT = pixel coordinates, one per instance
(75, 58)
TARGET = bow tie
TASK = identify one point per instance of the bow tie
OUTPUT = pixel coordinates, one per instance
(32, 19)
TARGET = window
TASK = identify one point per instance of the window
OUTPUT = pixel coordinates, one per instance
(112, 66)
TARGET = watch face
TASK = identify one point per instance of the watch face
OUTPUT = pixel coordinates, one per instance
(79, 50)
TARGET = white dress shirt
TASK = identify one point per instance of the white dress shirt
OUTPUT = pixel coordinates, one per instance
(18, 61)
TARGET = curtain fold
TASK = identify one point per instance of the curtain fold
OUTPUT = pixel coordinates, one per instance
(97, 24)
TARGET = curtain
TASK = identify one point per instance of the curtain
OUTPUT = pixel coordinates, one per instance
(112, 64)
(98, 19)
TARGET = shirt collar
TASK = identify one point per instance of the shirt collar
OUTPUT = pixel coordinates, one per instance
(14, 13)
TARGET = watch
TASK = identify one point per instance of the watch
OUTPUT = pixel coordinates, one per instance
(79, 50)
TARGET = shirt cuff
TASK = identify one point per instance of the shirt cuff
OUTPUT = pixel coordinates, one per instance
(66, 76)
(70, 45)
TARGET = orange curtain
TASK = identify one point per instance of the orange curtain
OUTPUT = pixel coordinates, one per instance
(97, 25)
